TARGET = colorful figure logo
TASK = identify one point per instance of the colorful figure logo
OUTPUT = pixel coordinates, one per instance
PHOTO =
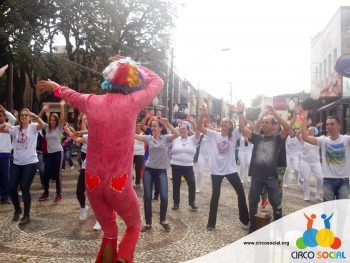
(313, 237)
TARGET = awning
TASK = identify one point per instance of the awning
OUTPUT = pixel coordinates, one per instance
(334, 103)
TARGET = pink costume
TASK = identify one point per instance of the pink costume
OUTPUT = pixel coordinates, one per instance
(108, 176)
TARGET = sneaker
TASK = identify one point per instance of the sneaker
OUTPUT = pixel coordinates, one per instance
(72, 168)
(285, 185)
(57, 198)
(210, 228)
(25, 220)
(43, 197)
(264, 203)
(16, 215)
(175, 207)
(244, 226)
(319, 198)
(193, 206)
(97, 226)
(83, 213)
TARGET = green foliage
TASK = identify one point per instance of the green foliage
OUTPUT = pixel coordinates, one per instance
(92, 31)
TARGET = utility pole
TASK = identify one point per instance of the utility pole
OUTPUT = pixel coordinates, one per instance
(171, 87)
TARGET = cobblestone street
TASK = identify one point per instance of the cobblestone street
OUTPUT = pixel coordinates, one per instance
(56, 234)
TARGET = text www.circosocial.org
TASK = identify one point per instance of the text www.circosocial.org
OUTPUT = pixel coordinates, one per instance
(266, 243)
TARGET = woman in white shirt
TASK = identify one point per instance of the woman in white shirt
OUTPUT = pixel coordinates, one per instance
(223, 164)
(183, 150)
(53, 159)
(25, 160)
(310, 163)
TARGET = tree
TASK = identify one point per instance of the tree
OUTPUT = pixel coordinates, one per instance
(93, 31)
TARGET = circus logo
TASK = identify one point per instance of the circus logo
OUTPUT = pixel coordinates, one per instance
(323, 237)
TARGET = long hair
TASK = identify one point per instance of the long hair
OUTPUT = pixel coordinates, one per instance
(55, 115)
(19, 117)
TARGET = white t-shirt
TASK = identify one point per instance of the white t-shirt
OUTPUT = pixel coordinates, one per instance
(223, 160)
(24, 144)
(293, 146)
(53, 138)
(243, 148)
(85, 137)
(139, 147)
(335, 156)
(310, 153)
(183, 151)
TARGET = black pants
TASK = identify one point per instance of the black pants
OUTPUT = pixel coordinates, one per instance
(188, 174)
(81, 188)
(52, 170)
(235, 181)
(139, 165)
(22, 175)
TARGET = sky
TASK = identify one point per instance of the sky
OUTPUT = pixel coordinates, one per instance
(269, 44)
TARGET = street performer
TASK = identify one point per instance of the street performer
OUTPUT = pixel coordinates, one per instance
(129, 88)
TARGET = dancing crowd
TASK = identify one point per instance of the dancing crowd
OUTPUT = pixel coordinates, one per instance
(114, 139)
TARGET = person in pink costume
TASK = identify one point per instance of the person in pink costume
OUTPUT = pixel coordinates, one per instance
(108, 177)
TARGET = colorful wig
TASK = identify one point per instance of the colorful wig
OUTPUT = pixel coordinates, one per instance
(123, 76)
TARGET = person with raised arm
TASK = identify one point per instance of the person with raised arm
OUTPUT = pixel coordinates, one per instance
(54, 157)
(25, 160)
(223, 165)
(263, 165)
(335, 149)
(155, 169)
(112, 116)
(5, 154)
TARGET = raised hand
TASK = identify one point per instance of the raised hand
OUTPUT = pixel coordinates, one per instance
(164, 122)
(271, 110)
(62, 103)
(2, 70)
(240, 106)
(46, 107)
(46, 85)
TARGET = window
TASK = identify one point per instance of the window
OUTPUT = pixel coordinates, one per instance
(330, 64)
(321, 77)
(324, 69)
(335, 55)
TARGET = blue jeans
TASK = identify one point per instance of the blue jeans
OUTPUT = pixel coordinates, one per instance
(4, 177)
(150, 176)
(67, 157)
(335, 188)
(274, 194)
(22, 175)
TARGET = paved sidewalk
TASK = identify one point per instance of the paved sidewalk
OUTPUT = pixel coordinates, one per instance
(55, 233)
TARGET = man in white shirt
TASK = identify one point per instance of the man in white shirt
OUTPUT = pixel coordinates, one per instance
(335, 158)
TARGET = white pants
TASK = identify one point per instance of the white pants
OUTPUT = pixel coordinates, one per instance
(293, 163)
(203, 161)
(244, 162)
(306, 170)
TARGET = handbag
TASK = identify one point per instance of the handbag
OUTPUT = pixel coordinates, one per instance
(44, 143)
(195, 158)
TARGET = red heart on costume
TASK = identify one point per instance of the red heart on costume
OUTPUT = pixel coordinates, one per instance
(92, 181)
(118, 183)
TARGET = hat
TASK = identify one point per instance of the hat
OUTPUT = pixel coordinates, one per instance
(123, 76)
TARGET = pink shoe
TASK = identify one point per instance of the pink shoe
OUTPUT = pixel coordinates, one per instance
(264, 203)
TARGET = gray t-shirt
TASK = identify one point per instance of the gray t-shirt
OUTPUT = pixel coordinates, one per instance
(53, 139)
(265, 155)
(158, 151)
